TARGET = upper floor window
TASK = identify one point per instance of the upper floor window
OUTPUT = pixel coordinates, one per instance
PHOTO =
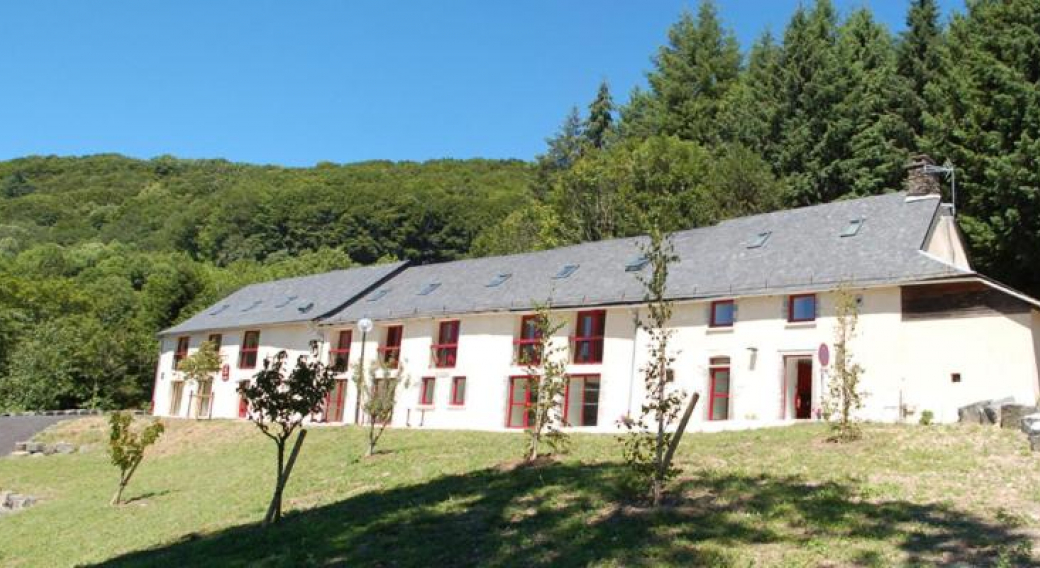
(447, 347)
(182, 351)
(250, 346)
(528, 345)
(723, 313)
(340, 353)
(391, 348)
(588, 336)
(426, 394)
(801, 307)
(216, 339)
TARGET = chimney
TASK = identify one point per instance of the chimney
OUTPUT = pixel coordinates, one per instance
(919, 181)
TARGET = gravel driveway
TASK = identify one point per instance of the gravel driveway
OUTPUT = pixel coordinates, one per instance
(21, 428)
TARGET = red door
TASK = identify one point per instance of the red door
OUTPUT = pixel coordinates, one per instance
(243, 407)
(334, 403)
(803, 390)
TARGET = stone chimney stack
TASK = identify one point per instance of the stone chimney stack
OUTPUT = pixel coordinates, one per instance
(918, 181)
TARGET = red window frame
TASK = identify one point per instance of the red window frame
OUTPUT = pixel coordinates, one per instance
(567, 400)
(525, 404)
(341, 351)
(528, 342)
(391, 349)
(217, 340)
(713, 394)
(247, 354)
(456, 398)
(594, 340)
(445, 351)
(426, 393)
(714, 322)
(182, 350)
(790, 307)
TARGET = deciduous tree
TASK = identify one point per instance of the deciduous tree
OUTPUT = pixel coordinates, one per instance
(126, 447)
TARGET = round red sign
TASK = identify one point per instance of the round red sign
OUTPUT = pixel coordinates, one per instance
(825, 355)
(225, 372)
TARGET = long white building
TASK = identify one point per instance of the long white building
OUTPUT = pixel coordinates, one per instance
(753, 319)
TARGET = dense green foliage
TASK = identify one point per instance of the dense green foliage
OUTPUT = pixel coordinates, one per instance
(100, 252)
(97, 254)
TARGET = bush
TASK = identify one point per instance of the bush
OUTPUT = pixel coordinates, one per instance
(926, 417)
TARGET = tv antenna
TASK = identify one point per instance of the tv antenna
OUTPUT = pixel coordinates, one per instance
(947, 170)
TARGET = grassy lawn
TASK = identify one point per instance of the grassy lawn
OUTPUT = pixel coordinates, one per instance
(905, 495)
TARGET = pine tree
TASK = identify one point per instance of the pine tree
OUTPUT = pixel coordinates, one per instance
(566, 146)
(984, 116)
(919, 56)
(693, 73)
(750, 114)
(599, 127)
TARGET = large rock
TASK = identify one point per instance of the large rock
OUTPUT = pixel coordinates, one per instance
(1030, 423)
(1034, 442)
(984, 411)
(64, 448)
(1011, 415)
(34, 447)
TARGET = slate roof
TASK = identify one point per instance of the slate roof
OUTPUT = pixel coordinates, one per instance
(286, 301)
(804, 251)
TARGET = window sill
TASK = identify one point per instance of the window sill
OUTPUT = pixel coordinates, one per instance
(800, 324)
(425, 407)
(720, 329)
(456, 407)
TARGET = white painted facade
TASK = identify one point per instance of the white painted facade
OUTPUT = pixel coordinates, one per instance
(909, 363)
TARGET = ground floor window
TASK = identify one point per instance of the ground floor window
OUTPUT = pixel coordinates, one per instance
(426, 395)
(176, 393)
(204, 399)
(581, 400)
(458, 391)
(335, 401)
(520, 412)
(719, 389)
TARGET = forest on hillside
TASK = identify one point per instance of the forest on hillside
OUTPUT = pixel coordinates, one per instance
(100, 252)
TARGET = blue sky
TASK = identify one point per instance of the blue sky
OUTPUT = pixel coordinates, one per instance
(294, 83)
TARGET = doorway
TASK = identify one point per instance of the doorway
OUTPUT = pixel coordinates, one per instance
(797, 395)
(335, 401)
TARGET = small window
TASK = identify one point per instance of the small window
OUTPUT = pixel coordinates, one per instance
(955, 378)
(723, 313)
(852, 229)
(378, 294)
(581, 401)
(528, 346)
(446, 349)
(760, 240)
(247, 353)
(637, 264)
(458, 391)
(391, 349)
(253, 305)
(801, 307)
(566, 271)
(286, 302)
(426, 395)
(181, 352)
(340, 353)
(216, 339)
(588, 339)
(429, 288)
(499, 279)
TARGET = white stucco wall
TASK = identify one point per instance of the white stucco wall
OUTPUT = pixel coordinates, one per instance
(908, 362)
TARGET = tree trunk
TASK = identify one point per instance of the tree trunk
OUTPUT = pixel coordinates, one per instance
(274, 511)
(124, 480)
(679, 431)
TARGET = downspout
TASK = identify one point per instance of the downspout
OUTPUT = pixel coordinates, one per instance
(632, 370)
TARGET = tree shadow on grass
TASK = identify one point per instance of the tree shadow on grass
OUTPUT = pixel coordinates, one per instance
(572, 514)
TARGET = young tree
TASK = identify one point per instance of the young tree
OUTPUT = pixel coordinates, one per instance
(649, 446)
(378, 398)
(126, 447)
(843, 396)
(547, 380)
(599, 128)
(279, 402)
(201, 365)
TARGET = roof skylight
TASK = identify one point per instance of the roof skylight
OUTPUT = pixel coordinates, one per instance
(220, 310)
(566, 271)
(305, 307)
(253, 305)
(378, 294)
(499, 279)
(852, 229)
(760, 240)
(286, 302)
(429, 288)
(637, 264)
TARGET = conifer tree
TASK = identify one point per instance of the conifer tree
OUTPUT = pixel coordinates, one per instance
(693, 74)
(750, 114)
(984, 116)
(919, 56)
(600, 124)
